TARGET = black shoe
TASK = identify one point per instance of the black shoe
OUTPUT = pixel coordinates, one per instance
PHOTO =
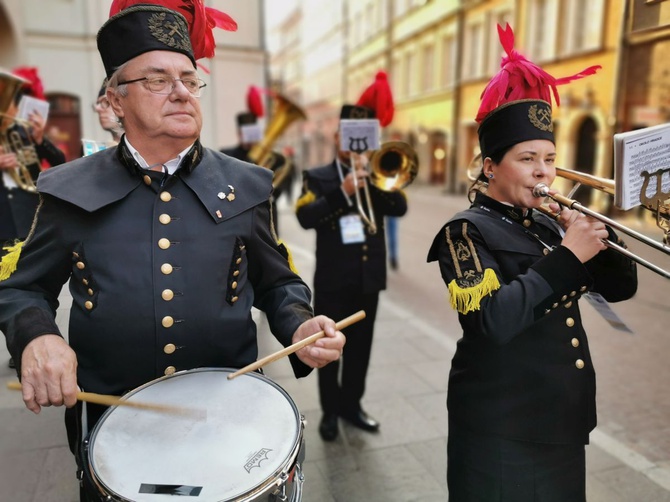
(12, 364)
(328, 427)
(394, 264)
(362, 420)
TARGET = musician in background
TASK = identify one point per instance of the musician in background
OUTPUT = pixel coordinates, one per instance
(166, 245)
(29, 147)
(521, 396)
(247, 136)
(249, 133)
(350, 262)
(108, 120)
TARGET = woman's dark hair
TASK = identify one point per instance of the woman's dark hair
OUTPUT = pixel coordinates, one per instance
(481, 183)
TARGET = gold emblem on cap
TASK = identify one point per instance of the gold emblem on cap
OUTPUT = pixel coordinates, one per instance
(540, 118)
(171, 33)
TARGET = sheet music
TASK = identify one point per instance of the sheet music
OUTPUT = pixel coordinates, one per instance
(635, 152)
(28, 105)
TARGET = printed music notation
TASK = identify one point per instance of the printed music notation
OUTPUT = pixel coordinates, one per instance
(639, 156)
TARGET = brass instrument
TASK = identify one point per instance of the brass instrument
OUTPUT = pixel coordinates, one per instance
(285, 113)
(392, 167)
(662, 208)
(11, 141)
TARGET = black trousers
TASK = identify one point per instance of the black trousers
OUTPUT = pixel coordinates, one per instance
(483, 468)
(342, 393)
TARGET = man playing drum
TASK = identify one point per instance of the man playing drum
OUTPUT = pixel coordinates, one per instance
(166, 245)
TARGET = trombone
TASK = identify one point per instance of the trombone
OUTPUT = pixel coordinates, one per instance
(605, 185)
(392, 167)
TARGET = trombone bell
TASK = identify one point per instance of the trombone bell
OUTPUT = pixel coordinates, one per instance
(393, 166)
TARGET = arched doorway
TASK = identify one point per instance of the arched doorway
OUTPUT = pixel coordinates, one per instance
(585, 156)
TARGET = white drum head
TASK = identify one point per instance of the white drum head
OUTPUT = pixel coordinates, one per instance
(246, 431)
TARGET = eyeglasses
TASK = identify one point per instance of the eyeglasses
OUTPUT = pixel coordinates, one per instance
(165, 85)
(101, 104)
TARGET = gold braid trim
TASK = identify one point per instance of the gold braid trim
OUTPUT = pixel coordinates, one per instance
(10, 260)
(308, 198)
(467, 299)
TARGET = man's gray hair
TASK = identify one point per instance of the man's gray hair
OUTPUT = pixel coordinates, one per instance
(113, 81)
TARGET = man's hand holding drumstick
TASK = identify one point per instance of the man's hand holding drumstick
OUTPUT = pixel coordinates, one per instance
(325, 349)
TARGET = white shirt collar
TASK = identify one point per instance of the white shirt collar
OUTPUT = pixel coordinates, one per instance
(171, 165)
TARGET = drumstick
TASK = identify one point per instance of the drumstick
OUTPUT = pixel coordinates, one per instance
(108, 400)
(347, 321)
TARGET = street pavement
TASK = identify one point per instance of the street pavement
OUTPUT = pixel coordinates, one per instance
(628, 459)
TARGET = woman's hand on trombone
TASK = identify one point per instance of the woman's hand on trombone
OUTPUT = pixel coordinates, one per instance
(584, 235)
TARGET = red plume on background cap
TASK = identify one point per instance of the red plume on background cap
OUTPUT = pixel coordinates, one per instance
(379, 98)
(201, 21)
(35, 87)
(255, 101)
(520, 78)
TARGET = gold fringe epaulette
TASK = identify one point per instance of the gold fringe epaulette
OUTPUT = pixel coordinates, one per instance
(308, 198)
(468, 299)
(10, 260)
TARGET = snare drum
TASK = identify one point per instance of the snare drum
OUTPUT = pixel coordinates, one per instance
(243, 442)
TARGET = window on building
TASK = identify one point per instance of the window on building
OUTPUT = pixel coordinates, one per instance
(412, 72)
(472, 64)
(448, 60)
(428, 63)
(542, 30)
(581, 26)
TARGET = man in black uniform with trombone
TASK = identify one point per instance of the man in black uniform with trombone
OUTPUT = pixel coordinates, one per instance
(350, 263)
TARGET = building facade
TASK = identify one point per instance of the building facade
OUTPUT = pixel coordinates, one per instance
(439, 55)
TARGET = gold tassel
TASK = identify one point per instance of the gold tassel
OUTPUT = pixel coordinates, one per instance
(10, 260)
(308, 198)
(289, 256)
(466, 300)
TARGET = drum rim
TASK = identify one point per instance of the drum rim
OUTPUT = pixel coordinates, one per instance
(261, 488)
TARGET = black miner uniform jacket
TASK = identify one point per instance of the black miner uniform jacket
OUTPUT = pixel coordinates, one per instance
(338, 265)
(522, 369)
(163, 270)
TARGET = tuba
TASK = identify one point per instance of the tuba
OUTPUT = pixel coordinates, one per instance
(10, 139)
(285, 113)
(392, 167)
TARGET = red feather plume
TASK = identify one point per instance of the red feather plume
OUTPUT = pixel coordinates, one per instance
(255, 101)
(378, 96)
(520, 78)
(201, 21)
(34, 87)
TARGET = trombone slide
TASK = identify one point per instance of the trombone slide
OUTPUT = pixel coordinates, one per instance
(542, 190)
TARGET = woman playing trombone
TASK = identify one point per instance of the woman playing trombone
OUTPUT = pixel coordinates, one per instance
(521, 396)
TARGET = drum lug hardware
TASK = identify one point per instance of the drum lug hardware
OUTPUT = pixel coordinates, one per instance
(280, 494)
